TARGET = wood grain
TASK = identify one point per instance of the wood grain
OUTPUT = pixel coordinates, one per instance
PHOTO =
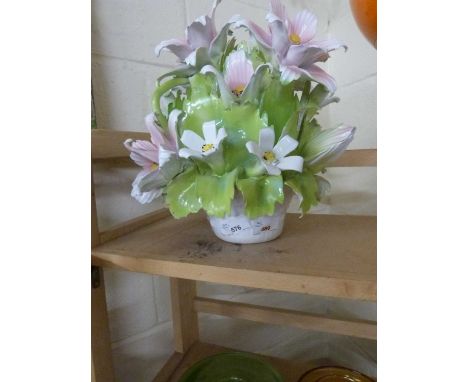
(286, 317)
(184, 316)
(106, 144)
(100, 335)
(328, 255)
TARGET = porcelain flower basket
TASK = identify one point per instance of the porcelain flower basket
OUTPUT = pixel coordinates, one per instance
(233, 131)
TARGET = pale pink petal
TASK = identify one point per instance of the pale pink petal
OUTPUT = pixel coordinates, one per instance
(157, 134)
(302, 54)
(304, 25)
(284, 146)
(328, 45)
(143, 153)
(260, 35)
(322, 77)
(239, 70)
(266, 139)
(192, 140)
(177, 46)
(279, 38)
(278, 10)
(200, 33)
(294, 163)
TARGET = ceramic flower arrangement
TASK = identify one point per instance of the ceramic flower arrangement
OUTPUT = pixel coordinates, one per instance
(233, 127)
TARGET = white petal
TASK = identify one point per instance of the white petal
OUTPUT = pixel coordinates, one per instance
(266, 139)
(192, 140)
(272, 170)
(209, 131)
(252, 147)
(284, 146)
(187, 153)
(221, 135)
(294, 163)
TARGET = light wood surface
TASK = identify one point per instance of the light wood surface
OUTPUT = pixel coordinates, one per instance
(326, 255)
(109, 143)
(289, 370)
(184, 316)
(356, 158)
(270, 315)
(133, 225)
(100, 335)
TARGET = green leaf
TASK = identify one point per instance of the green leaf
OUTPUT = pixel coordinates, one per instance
(216, 193)
(242, 124)
(278, 102)
(182, 197)
(305, 187)
(201, 105)
(261, 194)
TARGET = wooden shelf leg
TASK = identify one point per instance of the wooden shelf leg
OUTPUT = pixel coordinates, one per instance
(184, 316)
(102, 369)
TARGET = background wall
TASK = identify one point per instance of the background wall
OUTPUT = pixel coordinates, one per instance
(124, 69)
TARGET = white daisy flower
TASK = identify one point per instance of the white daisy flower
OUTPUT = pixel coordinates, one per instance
(274, 157)
(200, 147)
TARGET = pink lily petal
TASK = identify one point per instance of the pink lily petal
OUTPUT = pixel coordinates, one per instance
(277, 11)
(177, 46)
(279, 38)
(143, 153)
(157, 134)
(300, 54)
(260, 35)
(328, 45)
(321, 77)
(239, 70)
(304, 26)
(200, 33)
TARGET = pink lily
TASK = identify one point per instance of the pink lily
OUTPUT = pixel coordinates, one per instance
(152, 155)
(199, 34)
(240, 82)
(293, 44)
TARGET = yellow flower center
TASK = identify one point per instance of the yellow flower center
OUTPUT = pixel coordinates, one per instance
(294, 38)
(207, 147)
(154, 167)
(238, 90)
(269, 156)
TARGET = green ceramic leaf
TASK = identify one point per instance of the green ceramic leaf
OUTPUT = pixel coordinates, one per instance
(216, 193)
(305, 186)
(278, 102)
(202, 104)
(159, 92)
(242, 124)
(182, 197)
(261, 194)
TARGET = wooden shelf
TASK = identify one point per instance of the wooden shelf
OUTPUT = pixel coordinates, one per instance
(327, 255)
(178, 363)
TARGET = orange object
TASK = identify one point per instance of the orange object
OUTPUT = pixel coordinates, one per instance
(365, 14)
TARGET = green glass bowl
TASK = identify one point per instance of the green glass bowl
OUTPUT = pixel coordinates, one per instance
(231, 367)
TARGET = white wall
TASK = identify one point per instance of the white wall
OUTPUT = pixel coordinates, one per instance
(124, 68)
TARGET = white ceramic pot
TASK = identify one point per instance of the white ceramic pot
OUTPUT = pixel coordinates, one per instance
(239, 229)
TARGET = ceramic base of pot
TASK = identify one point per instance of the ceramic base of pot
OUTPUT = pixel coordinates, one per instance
(239, 229)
